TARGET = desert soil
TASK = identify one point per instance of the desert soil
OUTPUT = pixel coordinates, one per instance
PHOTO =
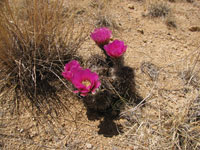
(169, 51)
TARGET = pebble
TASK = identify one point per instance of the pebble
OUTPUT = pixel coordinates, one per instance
(131, 6)
(173, 38)
(194, 29)
(140, 31)
(21, 130)
(145, 41)
(88, 145)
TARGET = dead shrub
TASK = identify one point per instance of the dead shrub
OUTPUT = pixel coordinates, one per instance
(105, 21)
(170, 22)
(102, 16)
(36, 39)
(158, 9)
(190, 1)
(168, 131)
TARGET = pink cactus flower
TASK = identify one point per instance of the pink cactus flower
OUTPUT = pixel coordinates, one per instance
(101, 35)
(115, 49)
(70, 68)
(85, 81)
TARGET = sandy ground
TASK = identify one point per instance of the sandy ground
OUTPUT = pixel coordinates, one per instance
(169, 51)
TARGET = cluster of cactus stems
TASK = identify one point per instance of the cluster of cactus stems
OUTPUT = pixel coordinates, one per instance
(106, 81)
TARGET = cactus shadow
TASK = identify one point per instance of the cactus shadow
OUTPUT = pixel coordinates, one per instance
(117, 90)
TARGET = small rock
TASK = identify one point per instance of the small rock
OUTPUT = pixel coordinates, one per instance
(185, 46)
(88, 145)
(144, 44)
(173, 38)
(140, 31)
(131, 6)
(194, 29)
(21, 130)
(145, 41)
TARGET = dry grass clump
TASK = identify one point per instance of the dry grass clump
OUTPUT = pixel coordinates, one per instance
(190, 1)
(156, 127)
(170, 22)
(150, 69)
(102, 16)
(36, 39)
(186, 127)
(105, 21)
(158, 9)
(170, 116)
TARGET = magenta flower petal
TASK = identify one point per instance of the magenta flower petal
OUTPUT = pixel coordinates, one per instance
(85, 81)
(96, 86)
(70, 68)
(115, 49)
(101, 35)
(83, 94)
(76, 91)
